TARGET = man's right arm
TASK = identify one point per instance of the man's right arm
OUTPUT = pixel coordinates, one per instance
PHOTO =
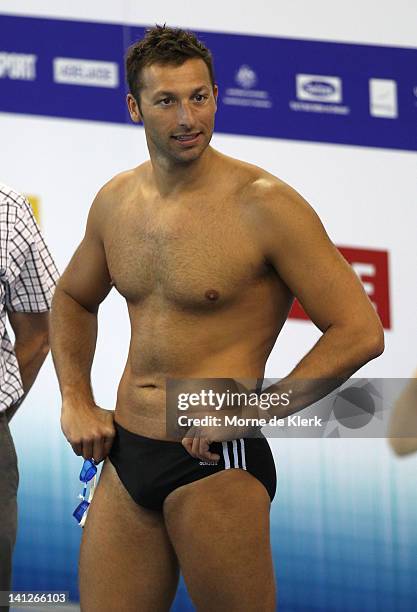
(83, 286)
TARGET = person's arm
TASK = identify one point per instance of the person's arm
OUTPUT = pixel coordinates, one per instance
(331, 294)
(403, 426)
(31, 348)
(296, 245)
(29, 281)
(83, 286)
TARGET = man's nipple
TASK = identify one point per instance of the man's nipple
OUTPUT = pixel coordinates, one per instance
(212, 295)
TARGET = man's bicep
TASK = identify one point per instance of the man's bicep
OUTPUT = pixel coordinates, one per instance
(312, 267)
(87, 279)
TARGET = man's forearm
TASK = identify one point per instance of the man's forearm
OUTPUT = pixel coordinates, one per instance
(73, 342)
(334, 358)
(30, 357)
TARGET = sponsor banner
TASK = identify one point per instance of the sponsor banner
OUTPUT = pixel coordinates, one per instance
(62, 69)
(371, 266)
(272, 87)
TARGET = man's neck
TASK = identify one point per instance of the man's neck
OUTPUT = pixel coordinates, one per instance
(173, 178)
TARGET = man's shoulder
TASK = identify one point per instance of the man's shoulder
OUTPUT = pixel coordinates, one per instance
(258, 187)
(10, 198)
(114, 192)
(117, 184)
(269, 201)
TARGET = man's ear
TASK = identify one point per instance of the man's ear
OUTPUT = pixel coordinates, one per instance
(215, 93)
(133, 108)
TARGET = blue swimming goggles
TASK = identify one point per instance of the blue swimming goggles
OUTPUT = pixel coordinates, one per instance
(88, 473)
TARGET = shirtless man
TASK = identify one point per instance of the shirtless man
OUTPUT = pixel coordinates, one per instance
(208, 252)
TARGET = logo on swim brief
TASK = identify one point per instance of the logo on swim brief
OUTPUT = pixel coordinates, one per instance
(244, 94)
(317, 93)
(207, 462)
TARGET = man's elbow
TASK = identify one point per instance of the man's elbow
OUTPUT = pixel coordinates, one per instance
(45, 345)
(375, 342)
(397, 446)
(43, 342)
(403, 446)
(367, 342)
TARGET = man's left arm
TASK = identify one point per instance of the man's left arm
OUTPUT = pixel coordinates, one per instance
(298, 247)
(295, 243)
(31, 348)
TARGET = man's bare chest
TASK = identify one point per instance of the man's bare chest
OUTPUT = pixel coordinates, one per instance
(186, 257)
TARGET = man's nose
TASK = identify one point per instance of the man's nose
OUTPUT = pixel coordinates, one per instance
(185, 115)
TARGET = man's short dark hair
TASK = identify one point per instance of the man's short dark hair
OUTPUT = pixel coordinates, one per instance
(163, 45)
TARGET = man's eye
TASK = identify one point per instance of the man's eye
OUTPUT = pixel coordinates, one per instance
(200, 98)
(165, 101)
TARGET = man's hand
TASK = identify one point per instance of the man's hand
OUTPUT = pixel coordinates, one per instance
(197, 442)
(198, 438)
(89, 429)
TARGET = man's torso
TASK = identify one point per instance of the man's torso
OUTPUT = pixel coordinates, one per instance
(203, 300)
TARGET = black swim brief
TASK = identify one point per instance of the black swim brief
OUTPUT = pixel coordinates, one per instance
(151, 469)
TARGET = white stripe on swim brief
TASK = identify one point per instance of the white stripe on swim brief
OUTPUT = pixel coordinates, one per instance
(235, 456)
(242, 452)
(226, 456)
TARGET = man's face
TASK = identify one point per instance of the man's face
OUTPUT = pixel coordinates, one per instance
(177, 107)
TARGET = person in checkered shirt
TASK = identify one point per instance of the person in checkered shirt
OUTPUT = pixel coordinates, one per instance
(28, 276)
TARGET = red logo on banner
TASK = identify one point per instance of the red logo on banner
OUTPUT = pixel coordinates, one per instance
(372, 268)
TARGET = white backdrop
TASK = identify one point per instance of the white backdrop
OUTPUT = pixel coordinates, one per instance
(381, 22)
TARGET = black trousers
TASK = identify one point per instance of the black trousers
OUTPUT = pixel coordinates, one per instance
(9, 480)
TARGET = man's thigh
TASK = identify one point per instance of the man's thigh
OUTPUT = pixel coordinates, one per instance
(126, 560)
(8, 495)
(219, 527)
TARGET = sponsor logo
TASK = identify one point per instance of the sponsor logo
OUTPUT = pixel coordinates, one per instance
(246, 77)
(371, 266)
(207, 463)
(318, 93)
(18, 66)
(91, 73)
(245, 94)
(318, 88)
(383, 98)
